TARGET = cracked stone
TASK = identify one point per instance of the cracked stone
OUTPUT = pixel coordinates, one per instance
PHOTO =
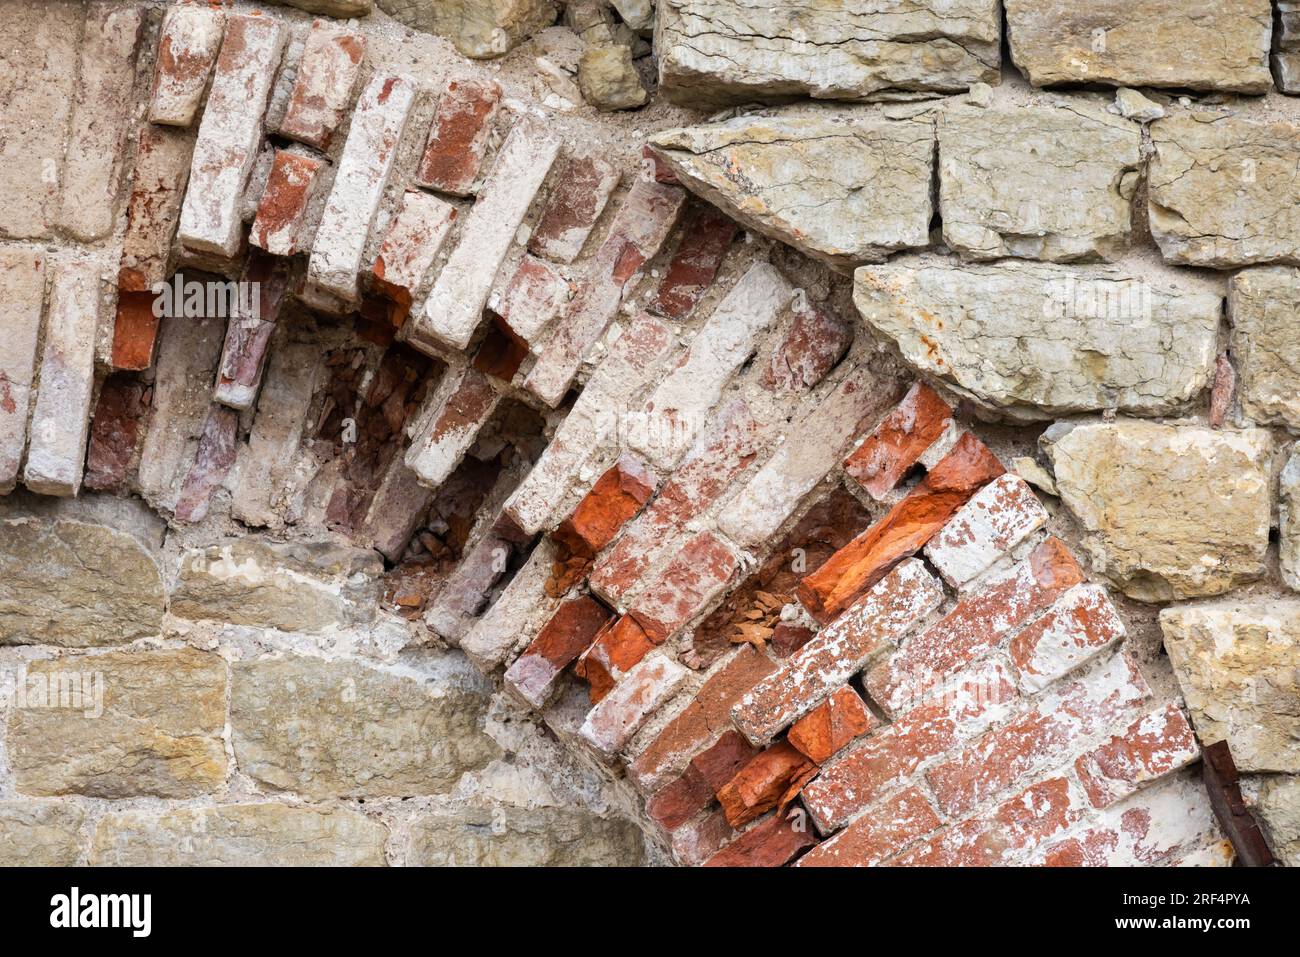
(480, 29)
(40, 833)
(1278, 811)
(1289, 519)
(1262, 306)
(481, 835)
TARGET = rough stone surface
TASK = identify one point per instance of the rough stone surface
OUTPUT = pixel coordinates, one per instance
(1034, 341)
(1289, 519)
(238, 835)
(1279, 813)
(1238, 663)
(713, 52)
(340, 729)
(836, 185)
(1169, 511)
(40, 834)
(481, 29)
(1037, 182)
(22, 288)
(153, 727)
(481, 836)
(1262, 305)
(608, 80)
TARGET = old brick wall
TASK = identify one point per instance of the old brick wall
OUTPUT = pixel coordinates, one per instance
(897, 467)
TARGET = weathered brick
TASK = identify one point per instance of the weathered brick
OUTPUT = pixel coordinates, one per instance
(643, 222)
(770, 844)
(899, 441)
(162, 170)
(282, 211)
(616, 497)
(570, 631)
(654, 167)
(876, 622)
(901, 532)
(212, 461)
(978, 623)
(878, 834)
(702, 569)
(518, 614)
(187, 49)
(788, 638)
(248, 337)
(706, 237)
(723, 450)
(831, 725)
(500, 354)
(813, 446)
(135, 330)
(462, 405)
(115, 432)
(631, 362)
(376, 129)
(532, 298)
(327, 78)
(677, 409)
(718, 764)
(56, 449)
(1081, 624)
(613, 722)
(997, 518)
(455, 305)
(680, 801)
(101, 118)
(453, 155)
(581, 191)
(1062, 720)
(707, 716)
(813, 344)
(230, 134)
(1156, 744)
(696, 842)
(886, 760)
(618, 649)
(465, 592)
(772, 778)
(414, 240)
(22, 299)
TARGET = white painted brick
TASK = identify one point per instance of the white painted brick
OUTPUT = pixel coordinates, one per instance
(622, 712)
(326, 82)
(364, 168)
(187, 48)
(517, 615)
(414, 240)
(230, 135)
(455, 305)
(22, 296)
(996, 519)
(462, 404)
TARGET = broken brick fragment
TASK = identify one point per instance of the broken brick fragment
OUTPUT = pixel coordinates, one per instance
(614, 652)
(562, 639)
(831, 725)
(282, 210)
(680, 801)
(706, 237)
(703, 568)
(1154, 745)
(325, 84)
(212, 461)
(135, 331)
(581, 191)
(116, 431)
(815, 342)
(616, 497)
(899, 441)
(880, 833)
(770, 844)
(765, 782)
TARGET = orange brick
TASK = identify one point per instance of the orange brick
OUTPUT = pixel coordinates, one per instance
(616, 497)
(878, 834)
(1156, 744)
(571, 629)
(774, 776)
(615, 651)
(831, 725)
(899, 441)
(769, 844)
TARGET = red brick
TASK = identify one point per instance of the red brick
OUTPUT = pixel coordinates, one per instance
(725, 449)
(532, 299)
(135, 331)
(325, 85)
(880, 833)
(465, 404)
(615, 651)
(816, 340)
(414, 239)
(787, 639)
(1060, 723)
(706, 237)
(579, 195)
(831, 725)
(702, 569)
(162, 169)
(187, 49)
(212, 461)
(248, 338)
(839, 651)
(696, 842)
(886, 760)
(116, 431)
(657, 169)
(500, 354)
(773, 777)
(680, 801)
(282, 210)
(772, 843)
(615, 498)
(1156, 744)
(701, 721)
(1081, 623)
(612, 723)
(906, 528)
(899, 441)
(997, 518)
(458, 138)
(979, 623)
(720, 763)
(1017, 826)
(570, 631)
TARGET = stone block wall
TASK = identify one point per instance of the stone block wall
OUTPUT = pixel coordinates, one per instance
(441, 437)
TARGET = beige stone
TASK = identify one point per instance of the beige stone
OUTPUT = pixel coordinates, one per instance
(608, 80)
(159, 732)
(239, 835)
(843, 186)
(1034, 340)
(1289, 519)
(1238, 664)
(1036, 182)
(299, 587)
(1223, 192)
(1196, 44)
(79, 572)
(480, 835)
(328, 729)
(1168, 511)
(1278, 812)
(479, 28)
(1264, 306)
(717, 52)
(40, 833)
